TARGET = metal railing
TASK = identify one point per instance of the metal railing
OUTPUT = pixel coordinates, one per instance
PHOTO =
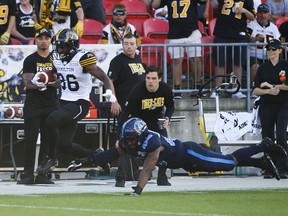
(158, 54)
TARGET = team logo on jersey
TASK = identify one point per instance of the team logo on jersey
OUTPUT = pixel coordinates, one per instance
(152, 103)
(282, 76)
(137, 68)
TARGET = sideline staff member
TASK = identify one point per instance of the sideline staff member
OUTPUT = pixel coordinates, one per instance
(40, 101)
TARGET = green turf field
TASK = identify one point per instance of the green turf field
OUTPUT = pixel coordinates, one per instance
(202, 203)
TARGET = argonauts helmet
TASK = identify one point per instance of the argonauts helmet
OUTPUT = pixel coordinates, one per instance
(133, 133)
(67, 39)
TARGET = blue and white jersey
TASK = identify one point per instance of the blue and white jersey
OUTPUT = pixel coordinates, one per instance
(173, 155)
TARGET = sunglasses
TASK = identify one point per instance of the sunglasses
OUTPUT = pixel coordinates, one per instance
(273, 49)
(119, 13)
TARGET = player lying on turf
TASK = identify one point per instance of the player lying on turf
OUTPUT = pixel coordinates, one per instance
(158, 150)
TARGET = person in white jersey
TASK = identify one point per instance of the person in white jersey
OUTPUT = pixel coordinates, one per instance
(260, 30)
(74, 68)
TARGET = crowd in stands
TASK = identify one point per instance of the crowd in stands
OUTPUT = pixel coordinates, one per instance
(117, 17)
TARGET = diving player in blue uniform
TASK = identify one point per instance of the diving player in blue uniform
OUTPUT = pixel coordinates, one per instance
(156, 149)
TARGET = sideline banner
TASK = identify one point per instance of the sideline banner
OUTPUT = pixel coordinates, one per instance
(11, 63)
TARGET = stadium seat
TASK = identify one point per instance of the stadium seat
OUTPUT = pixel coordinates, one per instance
(211, 26)
(136, 14)
(92, 30)
(151, 58)
(280, 20)
(14, 41)
(156, 29)
(108, 6)
(201, 28)
(210, 12)
(209, 66)
(85, 41)
(134, 6)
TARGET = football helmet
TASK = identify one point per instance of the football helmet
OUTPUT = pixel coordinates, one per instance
(66, 42)
(133, 134)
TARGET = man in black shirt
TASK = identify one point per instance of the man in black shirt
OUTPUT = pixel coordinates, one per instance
(125, 70)
(40, 101)
(151, 100)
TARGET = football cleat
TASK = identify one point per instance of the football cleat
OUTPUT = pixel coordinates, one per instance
(74, 165)
(271, 147)
(269, 166)
(47, 165)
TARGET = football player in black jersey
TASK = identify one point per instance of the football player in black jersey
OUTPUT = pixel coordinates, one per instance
(75, 68)
(40, 101)
(8, 11)
(155, 149)
(183, 29)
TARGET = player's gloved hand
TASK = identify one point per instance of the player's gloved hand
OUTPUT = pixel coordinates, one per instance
(79, 28)
(37, 26)
(137, 191)
(4, 39)
(110, 96)
(36, 82)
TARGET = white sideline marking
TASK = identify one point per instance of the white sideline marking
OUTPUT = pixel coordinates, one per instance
(106, 210)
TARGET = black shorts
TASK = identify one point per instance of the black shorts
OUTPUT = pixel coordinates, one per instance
(234, 55)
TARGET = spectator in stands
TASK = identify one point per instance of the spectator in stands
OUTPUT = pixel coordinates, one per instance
(161, 13)
(278, 8)
(203, 12)
(284, 31)
(114, 32)
(58, 15)
(231, 27)
(260, 30)
(7, 21)
(271, 84)
(94, 9)
(183, 28)
(24, 29)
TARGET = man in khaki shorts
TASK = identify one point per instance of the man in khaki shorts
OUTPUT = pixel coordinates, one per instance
(183, 28)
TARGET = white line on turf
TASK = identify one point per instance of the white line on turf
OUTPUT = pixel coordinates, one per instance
(107, 210)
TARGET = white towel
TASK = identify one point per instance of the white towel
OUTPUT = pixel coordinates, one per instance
(231, 126)
(256, 124)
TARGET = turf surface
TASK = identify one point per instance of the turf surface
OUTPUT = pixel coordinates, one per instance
(202, 203)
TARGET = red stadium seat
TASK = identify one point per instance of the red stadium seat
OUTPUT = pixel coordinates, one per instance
(156, 29)
(211, 26)
(134, 6)
(108, 6)
(209, 66)
(210, 12)
(15, 41)
(280, 20)
(201, 28)
(92, 30)
(151, 58)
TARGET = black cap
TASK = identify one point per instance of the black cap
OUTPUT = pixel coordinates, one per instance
(263, 7)
(274, 43)
(43, 31)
